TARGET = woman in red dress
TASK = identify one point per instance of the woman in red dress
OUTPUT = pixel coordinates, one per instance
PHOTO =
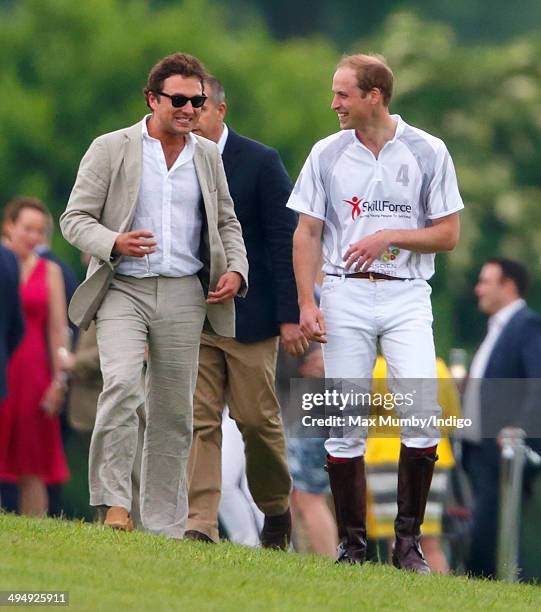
(31, 452)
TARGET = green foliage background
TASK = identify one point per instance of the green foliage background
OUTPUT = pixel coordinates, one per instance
(73, 70)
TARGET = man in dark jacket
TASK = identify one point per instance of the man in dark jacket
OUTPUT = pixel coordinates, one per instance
(11, 316)
(503, 390)
(241, 371)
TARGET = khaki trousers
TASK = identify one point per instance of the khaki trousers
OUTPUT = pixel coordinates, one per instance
(168, 313)
(243, 375)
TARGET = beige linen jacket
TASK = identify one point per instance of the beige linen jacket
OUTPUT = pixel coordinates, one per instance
(102, 205)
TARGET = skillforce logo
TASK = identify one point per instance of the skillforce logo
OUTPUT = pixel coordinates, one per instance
(355, 203)
(360, 206)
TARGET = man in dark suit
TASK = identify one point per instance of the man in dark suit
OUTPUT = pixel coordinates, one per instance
(502, 390)
(241, 371)
(11, 316)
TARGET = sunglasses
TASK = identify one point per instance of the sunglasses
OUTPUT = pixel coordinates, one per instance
(178, 100)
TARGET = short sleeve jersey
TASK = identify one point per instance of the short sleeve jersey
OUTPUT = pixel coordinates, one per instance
(412, 181)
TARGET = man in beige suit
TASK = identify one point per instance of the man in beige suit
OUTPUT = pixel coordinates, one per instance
(151, 204)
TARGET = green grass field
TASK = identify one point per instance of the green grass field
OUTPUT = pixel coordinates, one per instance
(107, 570)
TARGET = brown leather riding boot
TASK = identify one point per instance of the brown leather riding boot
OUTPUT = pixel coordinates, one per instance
(415, 470)
(348, 486)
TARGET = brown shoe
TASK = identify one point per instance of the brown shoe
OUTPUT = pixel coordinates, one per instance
(118, 518)
(198, 536)
(276, 532)
(348, 486)
(415, 469)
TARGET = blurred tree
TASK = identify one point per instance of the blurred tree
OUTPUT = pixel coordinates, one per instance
(83, 73)
(346, 20)
(478, 20)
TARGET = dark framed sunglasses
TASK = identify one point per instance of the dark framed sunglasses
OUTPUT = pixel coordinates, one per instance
(178, 100)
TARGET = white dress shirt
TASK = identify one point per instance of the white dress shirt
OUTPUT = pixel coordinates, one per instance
(223, 139)
(471, 408)
(169, 206)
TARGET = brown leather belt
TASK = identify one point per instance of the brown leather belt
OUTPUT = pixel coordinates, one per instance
(373, 276)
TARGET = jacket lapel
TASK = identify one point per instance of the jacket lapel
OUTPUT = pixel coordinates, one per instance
(231, 155)
(203, 177)
(133, 157)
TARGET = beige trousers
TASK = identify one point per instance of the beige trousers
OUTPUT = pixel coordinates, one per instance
(243, 375)
(168, 313)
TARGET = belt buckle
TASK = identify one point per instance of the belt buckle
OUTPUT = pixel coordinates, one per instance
(371, 277)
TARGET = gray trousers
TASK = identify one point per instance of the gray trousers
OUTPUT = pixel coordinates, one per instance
(168, 313)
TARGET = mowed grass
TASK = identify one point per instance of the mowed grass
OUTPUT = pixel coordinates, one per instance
(107, 570)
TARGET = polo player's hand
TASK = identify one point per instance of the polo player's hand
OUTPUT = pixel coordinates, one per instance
(366, 251)
(312, 324)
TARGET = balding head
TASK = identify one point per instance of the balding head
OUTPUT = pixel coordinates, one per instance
(214, 90)
(211, 121)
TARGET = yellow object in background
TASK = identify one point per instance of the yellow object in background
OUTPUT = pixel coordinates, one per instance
(382, 454)
(387, 450)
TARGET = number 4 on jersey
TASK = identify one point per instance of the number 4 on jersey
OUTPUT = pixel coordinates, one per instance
(402, 176)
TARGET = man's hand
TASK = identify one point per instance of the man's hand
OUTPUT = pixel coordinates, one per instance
(365, 251)
(293, 339)
(227, 288)
(134, 244)
(312, 324)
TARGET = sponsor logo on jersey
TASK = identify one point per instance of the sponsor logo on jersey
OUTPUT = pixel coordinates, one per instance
(355, 203)
(390, 254)
(359, 207)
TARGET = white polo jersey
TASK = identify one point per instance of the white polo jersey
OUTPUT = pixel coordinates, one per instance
(412, 181)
